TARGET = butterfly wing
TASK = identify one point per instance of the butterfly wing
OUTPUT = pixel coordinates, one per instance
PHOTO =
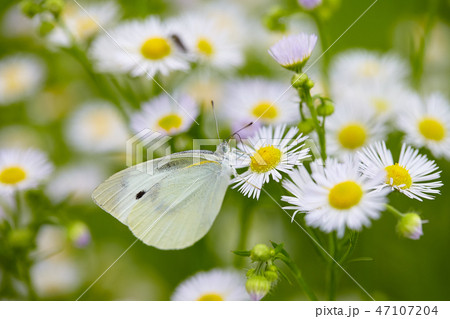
(180, 209)
(157, 190)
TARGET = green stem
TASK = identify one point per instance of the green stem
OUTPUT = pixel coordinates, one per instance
(394, 211)
(419, 57)
(324, 43)
(298, 277)
(246, 214)
(305, 96)
(332, 268)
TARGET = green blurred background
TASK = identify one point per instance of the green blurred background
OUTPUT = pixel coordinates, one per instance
(401, 269)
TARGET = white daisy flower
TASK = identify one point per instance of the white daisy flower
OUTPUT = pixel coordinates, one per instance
(139, 47)
(412, 175)
(335, 196)
(384, 101)
(97, 127)
(83, 23)
(20, 76)
(366, 68)
(214, 285)
(310, 4)
(260, 101)
(84, 178)
(269, 152)
(209, 43)
(293, 51)
(22, 169)
(352, 127)
(428, 125)
(163, 114)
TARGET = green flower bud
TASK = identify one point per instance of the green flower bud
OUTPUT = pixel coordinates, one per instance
(257, 287)
(273, 19)
(299, 80)
(410, 226)
(20, 238)
(306, 126)
(54, 6)
(325, 109)
(250, 272)
(260, 253)
(30, 8)
(271, 275)
(309, 84)
(46, 27)
(272, 268)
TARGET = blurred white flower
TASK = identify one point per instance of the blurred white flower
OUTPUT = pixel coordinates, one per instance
(50, 240)
(16, 24)
(269, 152)
(76, 181)
(21, 75)
(214, 285)
(310, 4)
(20, 136)
(22, 169)
(293, 51)
(166, 115)
(384, 101)
(260, 101)
(55, 276)
(84, 23)
(335, 196)
(140, 48)
(351, 127)
(427, 124)
(412, 175)
(96, 127)
(359, 67)
(208, 42)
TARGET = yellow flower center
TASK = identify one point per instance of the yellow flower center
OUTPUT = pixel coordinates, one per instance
(432, 129)
(352, 136)
(210, 297)
(345, 195)
(265, 159)
(370, 69)
(399, 176)
(170, 121)
(12, 175)
(14, 79)
(156, 48)
(100, 124)
(381, 105)
(265, 110)
(205, 47)
(86, 27)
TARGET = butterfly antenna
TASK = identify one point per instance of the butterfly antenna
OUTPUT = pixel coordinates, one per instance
(237, 132)
(215, 118)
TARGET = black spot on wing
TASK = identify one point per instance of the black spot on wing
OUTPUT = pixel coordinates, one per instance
(140, 194)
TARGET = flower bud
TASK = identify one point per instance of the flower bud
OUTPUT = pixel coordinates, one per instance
(273, 20)
(306, 126)
(309, 84)
(299, 80)
(79, 234)
(326, 109)
(54, 6)
(260, 253)
(250, 272)
(30, 8)
(271, 275)
(257, 287)
(410, 226)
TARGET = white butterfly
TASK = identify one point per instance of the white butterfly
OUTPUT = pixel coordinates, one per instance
(170, 202)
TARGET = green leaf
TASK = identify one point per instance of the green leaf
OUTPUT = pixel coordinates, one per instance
(243, 253)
